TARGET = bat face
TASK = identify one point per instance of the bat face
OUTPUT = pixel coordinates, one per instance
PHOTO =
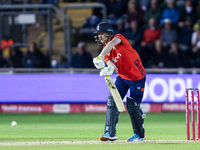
(115, 93)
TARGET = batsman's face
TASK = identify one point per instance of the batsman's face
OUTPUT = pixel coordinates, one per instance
(103, 38)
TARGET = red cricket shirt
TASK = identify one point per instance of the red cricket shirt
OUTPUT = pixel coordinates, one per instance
(127, 60)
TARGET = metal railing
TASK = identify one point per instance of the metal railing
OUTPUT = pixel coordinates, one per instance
(66, 20)
(50, 7)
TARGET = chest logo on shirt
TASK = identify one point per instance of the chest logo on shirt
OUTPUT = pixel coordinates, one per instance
(114, 48)
(116, 58)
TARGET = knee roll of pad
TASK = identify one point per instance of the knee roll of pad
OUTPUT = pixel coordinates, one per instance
(132, 106)
(110, 101)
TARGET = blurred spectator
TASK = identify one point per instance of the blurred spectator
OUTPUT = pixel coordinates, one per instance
(33, 57)
(196, 45)
(91, 21)
(135, 35)
(187, 11)
(184, 39)
(120, 28)
(196, 35)
(15, 59)
(180, 3)
(3, 62)
(112, 20)
(90, 25)
(150, 35)
(134, 12)
(171, 12)
(159, 56)
(185, 34)
(117, 7)
(153, 12)
(168, 33)
(173, 56)
(144, 4)
(82, 59)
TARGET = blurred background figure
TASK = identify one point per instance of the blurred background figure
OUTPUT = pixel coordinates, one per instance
(159, 58)
(15, 59)
(196, 45)
(82, 58)
(180, 3)
(144, 4)
(150, 35)
(173, 56)
(33, 57)
(120, 28)
(187, 11)
(135, 35)
(153, 12)
(185, 34)
(184, 40)
(90, 25)
(170, 12)
(168, 33)
(134, 12)
(112, 20)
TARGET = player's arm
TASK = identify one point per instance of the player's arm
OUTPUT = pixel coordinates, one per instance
(99, 61)
(111, 66)
(110, 45)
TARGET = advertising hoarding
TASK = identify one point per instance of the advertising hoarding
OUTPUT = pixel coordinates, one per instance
(89, 88)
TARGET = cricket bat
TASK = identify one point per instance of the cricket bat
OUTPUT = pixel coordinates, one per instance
(115, 93)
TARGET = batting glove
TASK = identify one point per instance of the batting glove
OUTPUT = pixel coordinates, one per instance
(99, 62)
(107, 71)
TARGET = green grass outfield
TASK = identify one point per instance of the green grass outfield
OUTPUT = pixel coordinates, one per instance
(166, 131)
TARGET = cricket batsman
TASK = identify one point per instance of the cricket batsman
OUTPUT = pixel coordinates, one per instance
(122, 58)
